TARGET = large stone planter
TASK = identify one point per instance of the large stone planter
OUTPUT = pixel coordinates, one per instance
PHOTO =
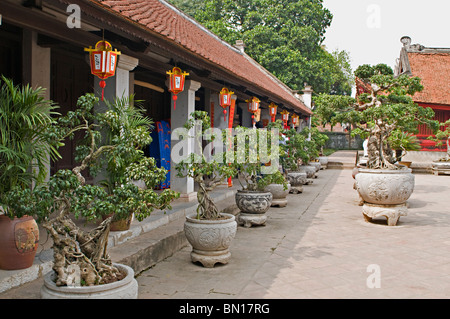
(210, 239)
(126, 288)
(441, 167)
(279, 194)
(308, 169)
(253, 206)
(323, 160)
(316, 165)
(384, 192)
(297, 180)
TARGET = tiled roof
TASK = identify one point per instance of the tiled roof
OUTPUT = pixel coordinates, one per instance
(161, 18)
(434, 70)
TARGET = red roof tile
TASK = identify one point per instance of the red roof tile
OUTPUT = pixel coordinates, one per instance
(160, 18)
(434, 70)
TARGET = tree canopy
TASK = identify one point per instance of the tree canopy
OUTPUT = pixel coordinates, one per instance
(284, 36)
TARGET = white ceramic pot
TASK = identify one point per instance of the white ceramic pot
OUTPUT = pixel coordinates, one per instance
(210, 239)
(126, 288)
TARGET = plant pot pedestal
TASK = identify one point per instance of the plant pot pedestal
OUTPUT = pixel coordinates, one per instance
(384, 192)
(441, 168)
(391, 212)
(127, 288)
(323, 160)
(210, 239)
(253, 206)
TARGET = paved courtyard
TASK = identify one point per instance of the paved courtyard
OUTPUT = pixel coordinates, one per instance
(319, 246)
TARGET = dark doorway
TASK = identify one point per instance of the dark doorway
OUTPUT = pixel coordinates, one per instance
(11, 52)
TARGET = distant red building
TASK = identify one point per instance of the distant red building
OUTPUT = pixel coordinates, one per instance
(432, 65)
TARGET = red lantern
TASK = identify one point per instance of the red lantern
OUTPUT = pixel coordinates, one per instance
(285, 118)
(272, 111)
(176, 83)
(295, 120)
(103, 61)
(225, 101)
(253, 106)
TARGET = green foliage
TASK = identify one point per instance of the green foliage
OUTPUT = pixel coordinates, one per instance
(66, 191)
(284, 36)
(443, 134)
(401, 142)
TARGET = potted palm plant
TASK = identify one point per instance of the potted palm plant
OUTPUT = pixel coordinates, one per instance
(209, 231)
(82, 267)
(25, 151)
(386, 108)
(401, 143)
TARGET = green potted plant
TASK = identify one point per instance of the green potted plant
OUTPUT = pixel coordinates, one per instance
(209, 231)
(82, 268)
(254, 176)
(386, 108)
(25, 151)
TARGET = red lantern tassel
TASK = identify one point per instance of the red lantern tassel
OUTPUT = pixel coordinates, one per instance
(102, 85)
(225, 115)
(174, 102)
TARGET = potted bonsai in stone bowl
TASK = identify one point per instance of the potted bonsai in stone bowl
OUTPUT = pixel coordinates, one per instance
(384, 108)
(442, 166)
(209, 231)
(82, 267)
(25, 150)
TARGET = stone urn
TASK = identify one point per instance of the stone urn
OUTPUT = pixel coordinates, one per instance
(297, 180)
(384, 192)
(210, 239)
(126, 288)
(253, 206)
(279, 194)
(317, 165)
(323, 160)
(308, 169)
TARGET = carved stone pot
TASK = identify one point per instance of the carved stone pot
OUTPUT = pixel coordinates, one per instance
(19, 239)
(253, 206)
(441, 167)
(316, 165)
(309, 170)
(323, 160)
(384, 192)
(126, 288)
(210, 239)
(279, 194)
(297, 180)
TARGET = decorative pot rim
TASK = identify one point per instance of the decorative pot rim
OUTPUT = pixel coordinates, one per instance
(192, 218)
(403, 170)
(51, 285)
(252, 192)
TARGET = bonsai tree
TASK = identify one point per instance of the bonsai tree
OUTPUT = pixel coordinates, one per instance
(443, 134)
(67, 194)
(25, 148)
(379, 112)
(207, 172)
(248, 160)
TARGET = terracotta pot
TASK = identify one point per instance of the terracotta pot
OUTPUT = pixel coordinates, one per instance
(19, 239)
(406, 163)
(210, 239)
